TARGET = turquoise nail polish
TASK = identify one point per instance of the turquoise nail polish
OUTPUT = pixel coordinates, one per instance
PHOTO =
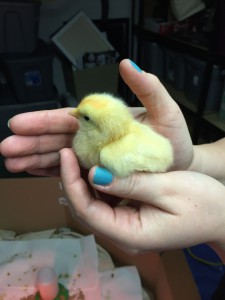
(102, 176)
(135, 66)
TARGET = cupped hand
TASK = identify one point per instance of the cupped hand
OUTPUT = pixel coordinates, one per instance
(176, 209)
(38, 136)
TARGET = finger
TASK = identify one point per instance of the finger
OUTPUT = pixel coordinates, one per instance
(76, 188)
(94, 213)
(117, 224)
(149, 91)
(42, 122)
(35, 161)
(82, 204)
(149, 188)
(74, 185)
(23, 145)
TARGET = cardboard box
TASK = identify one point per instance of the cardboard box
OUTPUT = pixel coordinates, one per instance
(32, 204)
(99, 79)
(77, 38)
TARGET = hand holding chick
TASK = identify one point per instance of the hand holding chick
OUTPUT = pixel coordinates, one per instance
(110, 137)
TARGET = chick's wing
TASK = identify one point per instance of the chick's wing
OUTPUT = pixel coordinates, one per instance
(142, 149)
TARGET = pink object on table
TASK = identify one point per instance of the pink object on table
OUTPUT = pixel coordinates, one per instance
(47, 283)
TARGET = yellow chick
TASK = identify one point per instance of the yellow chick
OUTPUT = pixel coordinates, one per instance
(110, 137)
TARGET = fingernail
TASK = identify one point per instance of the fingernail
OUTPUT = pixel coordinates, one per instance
(8, 124)
(102, 176)
(135, 66)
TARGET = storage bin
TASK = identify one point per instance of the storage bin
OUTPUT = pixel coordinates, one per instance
(222, 106)
(19, 22)
(174, 68)
(31, 75)
(194, 74)
(195, 69)
(215, 90)
(153, 59)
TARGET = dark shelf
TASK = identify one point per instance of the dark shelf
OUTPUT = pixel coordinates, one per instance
(176, 42)
(180, 97)
(183, 42)
(182, 100)
(182, 45)
(214, 120)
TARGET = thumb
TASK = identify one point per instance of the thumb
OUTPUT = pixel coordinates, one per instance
(148, 90)
(143, 187)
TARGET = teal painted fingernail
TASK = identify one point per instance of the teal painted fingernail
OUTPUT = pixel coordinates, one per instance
(102, 176)
(135, 66)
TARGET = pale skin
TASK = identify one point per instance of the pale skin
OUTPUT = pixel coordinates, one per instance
(180, 208)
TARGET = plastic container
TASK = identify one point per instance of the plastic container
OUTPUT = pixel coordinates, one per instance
(215, 90)
(194, 79)
(222, 106)
(31, 76)
(47, 283)
(194, 74)
(19, 21)
(153, 59)
(174, 69)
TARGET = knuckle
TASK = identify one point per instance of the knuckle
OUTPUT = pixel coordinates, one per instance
(130, 186)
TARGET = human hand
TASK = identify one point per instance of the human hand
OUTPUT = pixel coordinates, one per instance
(38, 138)
(175, 209)
(160, 111)
(40, 135)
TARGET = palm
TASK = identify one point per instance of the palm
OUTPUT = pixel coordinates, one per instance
(173, 126)
(162, 218)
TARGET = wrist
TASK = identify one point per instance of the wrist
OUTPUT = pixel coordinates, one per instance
(194, 164)
(209, 159)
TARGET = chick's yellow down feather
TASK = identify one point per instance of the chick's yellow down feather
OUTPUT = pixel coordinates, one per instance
(110, 137)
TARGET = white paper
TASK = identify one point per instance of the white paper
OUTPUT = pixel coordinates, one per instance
(121, 283)
(81, 265)
(74, 260)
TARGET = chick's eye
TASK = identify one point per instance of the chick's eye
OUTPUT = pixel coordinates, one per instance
(86, 118)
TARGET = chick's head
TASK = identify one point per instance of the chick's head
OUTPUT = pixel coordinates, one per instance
(103, 117)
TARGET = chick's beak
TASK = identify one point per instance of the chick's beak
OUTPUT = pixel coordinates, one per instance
(74, 113)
